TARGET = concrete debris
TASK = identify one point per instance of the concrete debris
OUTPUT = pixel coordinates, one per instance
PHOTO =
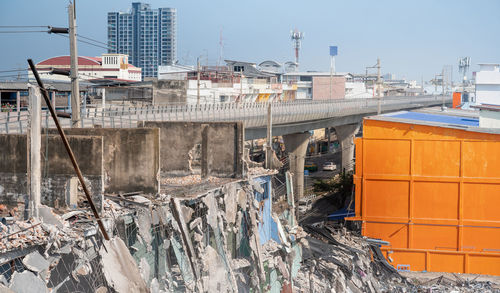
(27, 282)
(4, 289)
(227, 237)
(342, 262)
(35, 262)
(49, 217)
(119, 267)
(190, 180)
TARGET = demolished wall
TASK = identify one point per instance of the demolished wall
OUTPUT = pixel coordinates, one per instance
(131, 157)
(214, 148)
(57, 171)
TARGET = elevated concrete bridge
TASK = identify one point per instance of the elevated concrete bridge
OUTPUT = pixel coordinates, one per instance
(292, 120)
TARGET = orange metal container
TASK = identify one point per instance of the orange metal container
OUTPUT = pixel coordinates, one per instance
(457, 99)
(433, 193)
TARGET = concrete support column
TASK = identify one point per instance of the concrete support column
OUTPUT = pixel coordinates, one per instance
(296, 146)
(35, 145)
(345, 135)
(18, 101)
(327, 133)
(104, 98)
(53, 99)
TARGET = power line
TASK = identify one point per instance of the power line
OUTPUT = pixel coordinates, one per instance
(82, 41)
(92, 39)
(19, 76)
(20, 32)
(20, 26)
(13, 70)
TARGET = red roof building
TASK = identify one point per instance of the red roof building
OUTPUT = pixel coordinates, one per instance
(108, 66)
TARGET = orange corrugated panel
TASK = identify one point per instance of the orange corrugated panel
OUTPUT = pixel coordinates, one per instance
(433, 193)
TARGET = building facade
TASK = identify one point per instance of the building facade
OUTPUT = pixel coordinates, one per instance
(148, 36)
(108, 66)
(488, 84)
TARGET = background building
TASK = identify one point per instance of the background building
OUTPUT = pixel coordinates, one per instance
(108, 66)
(488, 84)
(148, 36)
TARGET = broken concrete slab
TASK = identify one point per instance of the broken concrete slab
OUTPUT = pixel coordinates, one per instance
(119, 268)
(27, 282)
(36, 262)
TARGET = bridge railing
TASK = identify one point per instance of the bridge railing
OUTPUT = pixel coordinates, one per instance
(252, 114)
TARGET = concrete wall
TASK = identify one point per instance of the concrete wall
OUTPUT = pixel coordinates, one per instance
(131, 157)
(139, 93)
(489, 119)
(57, 170)
(188, 147)
(321, 87)
(169, 91)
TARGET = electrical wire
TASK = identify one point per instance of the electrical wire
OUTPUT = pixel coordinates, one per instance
(82, 41)
(19, 26)
(13, 70)
(20, 32)
(90, 39)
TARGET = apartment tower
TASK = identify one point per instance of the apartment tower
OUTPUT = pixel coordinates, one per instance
(148, 36)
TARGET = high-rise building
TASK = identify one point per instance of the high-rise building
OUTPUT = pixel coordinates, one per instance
(148, 36)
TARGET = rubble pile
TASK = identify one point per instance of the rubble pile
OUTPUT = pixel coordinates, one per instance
(226, 239)
(339, 261)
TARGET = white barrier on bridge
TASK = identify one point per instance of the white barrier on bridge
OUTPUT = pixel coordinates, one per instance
(252, 114)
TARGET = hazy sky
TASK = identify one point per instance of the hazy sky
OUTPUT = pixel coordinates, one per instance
(412, 38)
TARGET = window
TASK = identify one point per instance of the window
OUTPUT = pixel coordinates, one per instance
(238, 68)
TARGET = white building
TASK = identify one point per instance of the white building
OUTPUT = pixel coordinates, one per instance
(108, 66)
(488, 84)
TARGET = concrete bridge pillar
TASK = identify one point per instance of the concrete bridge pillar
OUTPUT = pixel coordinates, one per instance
(345, 135)
(296, 146)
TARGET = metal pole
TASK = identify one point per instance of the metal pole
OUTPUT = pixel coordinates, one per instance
(198, 83)
(35, 149)
(68, 149)
(75, 86)
(331, 75)
(379, 81)
(379, 85)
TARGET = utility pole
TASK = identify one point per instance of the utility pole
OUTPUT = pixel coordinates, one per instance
(443, 89)
(331, 75)
(75, 86)
(442, 81)
(379, 81)
(379, 85)
(198, 83)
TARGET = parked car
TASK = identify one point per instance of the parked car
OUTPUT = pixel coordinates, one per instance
(310, 166)
(329, 166)
(304, 205)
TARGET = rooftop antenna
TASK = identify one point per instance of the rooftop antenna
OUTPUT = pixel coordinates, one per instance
(296, 37)
(463, 67)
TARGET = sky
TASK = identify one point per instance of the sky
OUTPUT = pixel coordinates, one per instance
(413, 39)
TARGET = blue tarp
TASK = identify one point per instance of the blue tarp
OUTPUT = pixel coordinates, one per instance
(447, 119)
(268, 229)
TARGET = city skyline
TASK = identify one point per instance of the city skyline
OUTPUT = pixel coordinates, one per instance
(413, 40)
